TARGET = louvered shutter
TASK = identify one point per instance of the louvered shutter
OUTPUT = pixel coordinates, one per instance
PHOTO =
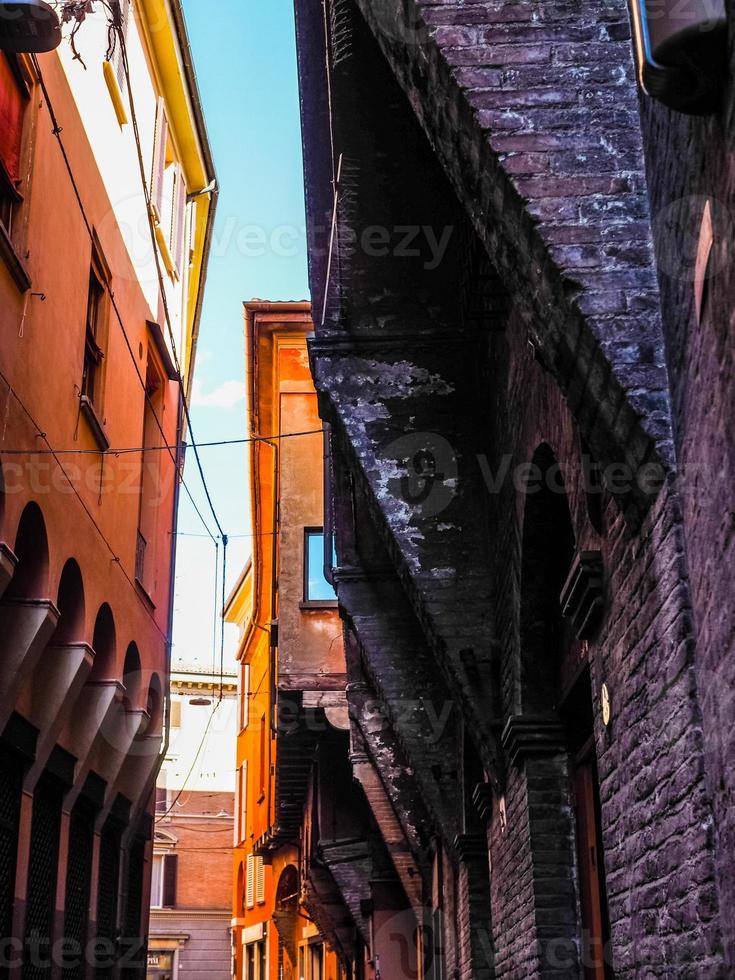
(250, 881)
(117, 58)
(170, 874)
(178, 218)
(259, 880)
(160, 140)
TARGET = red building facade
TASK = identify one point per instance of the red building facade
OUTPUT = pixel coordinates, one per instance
(88, 367)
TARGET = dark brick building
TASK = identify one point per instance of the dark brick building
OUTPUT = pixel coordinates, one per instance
(520, 268)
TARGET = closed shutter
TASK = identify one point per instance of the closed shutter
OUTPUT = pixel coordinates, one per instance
(117, 58)
(178, 218)
(259, 880)
(160, 141)
(170, 874)
(250, 881)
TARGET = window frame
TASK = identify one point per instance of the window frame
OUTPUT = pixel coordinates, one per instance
(306, 602)
(95, 343)
(166, 879)
(11, 248)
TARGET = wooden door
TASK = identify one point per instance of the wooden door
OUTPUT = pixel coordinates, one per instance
(595, 932)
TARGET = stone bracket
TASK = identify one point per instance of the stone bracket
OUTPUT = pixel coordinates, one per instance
(582, 599)
(526, 736)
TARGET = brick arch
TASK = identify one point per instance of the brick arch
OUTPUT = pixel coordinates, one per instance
(31, 578)
(71, 605)
(104, 644)
(554, 184)
(547, 551)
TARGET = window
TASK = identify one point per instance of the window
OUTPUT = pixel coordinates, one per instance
(316, 962)
(168, 196)
(13, 102)
(150, 480)
(176, 714)
(163, 881)
(316, 587)
(259, 880)
(94, 339)
(250, 881)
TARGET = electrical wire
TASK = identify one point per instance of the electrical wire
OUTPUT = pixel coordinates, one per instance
(155, 449)
(57, 130)
(115, 557)
(164, 299)
(193, 764)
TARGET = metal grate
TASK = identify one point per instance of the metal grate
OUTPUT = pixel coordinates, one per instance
(78, 883)
(133, 943)
(11, 776)
(42, 871)
(109, 877)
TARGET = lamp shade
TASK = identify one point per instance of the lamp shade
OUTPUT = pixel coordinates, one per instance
(28, 26)
(682, 52)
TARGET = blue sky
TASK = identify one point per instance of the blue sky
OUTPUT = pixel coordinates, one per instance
(244, 52)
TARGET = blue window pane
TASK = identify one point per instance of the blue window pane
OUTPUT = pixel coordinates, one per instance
(317, 587)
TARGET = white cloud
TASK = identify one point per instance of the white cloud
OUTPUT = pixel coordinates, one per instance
(227, 395)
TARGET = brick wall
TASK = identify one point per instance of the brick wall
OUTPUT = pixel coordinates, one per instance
(532, 113)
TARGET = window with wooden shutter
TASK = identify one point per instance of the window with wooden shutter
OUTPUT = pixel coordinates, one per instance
(250, 881)
(13, 102)
(117, 59)
(158, 171)
(170, 874)
(259, 880)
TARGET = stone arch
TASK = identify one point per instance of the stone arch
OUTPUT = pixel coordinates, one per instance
(71, 605)
(285, 916)
(104, 644)
(31, 578)
(548, 550)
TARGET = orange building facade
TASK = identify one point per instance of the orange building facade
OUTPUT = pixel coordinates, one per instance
(292, 672)
(92, 371)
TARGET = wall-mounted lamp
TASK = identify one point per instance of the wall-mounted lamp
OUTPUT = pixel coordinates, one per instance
(681, 50)
(29, 27)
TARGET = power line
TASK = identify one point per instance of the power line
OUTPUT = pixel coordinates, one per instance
(57, 133)
(164, 299)
(128, 450)
(193, 764)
